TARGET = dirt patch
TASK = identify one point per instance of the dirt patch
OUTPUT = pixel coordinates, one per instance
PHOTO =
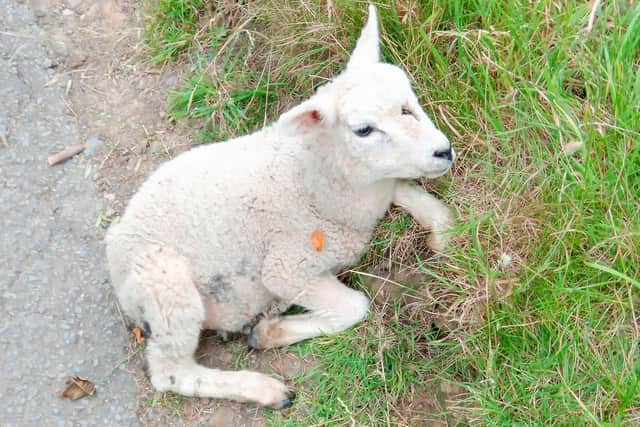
(111, 91)
(433, 406)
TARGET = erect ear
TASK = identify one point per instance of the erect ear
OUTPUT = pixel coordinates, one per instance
(367, 49)
(310, 116)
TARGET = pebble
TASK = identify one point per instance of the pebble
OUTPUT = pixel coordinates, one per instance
(92, 144)
(73, 4)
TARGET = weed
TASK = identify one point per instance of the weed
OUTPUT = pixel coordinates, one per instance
(172, 27)
(171, 402)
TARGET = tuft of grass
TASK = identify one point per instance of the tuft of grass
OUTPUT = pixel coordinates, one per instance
(244, 65)
(539, 292)
(172, 27)
(224, 106)
(365, 373)
(171, 402)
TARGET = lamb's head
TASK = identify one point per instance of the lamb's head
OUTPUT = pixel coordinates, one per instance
(372, 111)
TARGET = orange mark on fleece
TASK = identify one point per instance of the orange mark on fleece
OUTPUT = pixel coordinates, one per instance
(317, 239)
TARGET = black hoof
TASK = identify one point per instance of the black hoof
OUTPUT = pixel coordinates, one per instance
(288, 402)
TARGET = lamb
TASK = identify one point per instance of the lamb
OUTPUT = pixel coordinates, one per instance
(223, 231)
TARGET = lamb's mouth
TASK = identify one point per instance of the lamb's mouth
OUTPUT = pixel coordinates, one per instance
(436, 173)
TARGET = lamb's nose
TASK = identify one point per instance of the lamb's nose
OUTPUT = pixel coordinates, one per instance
(444, 154)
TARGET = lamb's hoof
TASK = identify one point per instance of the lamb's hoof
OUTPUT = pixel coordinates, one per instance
(253, 339)
(288, 402)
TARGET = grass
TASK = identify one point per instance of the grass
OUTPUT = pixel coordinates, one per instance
(171, 402)
(546, 118)
(365, 372)
(174, 27)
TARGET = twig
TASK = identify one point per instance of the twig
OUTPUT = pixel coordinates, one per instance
(111, 151)
(12, 34)
(348, 411)
(330, 10)
(444, 118)
(592, 16)
(118, 364)
(68, 105)
(65, 154)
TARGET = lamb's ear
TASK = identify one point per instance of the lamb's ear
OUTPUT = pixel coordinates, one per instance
(367, 49)
(307, 117)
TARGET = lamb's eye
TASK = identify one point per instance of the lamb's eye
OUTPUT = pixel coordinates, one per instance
(406, 111)
(363, 131)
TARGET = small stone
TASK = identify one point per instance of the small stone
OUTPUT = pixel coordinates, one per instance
(73, 4)
(67, 12)
(40, 13)
(92, 144)
(149, 415)
(76, 59)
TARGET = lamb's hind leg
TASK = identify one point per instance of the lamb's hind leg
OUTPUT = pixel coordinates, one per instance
(175, 313)
(332, 306)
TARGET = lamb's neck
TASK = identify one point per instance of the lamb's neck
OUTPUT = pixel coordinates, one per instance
(339, 191)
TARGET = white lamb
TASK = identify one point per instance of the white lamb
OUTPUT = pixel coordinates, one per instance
(223, 231)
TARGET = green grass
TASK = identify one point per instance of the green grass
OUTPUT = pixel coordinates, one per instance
(362, 373)
(232, 104)
(171, 402)
(512, 83)
(173, 27)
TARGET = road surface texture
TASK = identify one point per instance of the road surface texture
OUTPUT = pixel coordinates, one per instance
(57, 311)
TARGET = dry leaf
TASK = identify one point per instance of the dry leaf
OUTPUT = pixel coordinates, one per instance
(189, 410)
(78, 387)
(317, 239)
(137, 332)
(593, 9)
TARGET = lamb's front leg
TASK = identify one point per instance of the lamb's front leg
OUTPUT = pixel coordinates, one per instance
(332, 307)
(427, 210)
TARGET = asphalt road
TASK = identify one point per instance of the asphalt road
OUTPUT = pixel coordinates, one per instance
(57, 311)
